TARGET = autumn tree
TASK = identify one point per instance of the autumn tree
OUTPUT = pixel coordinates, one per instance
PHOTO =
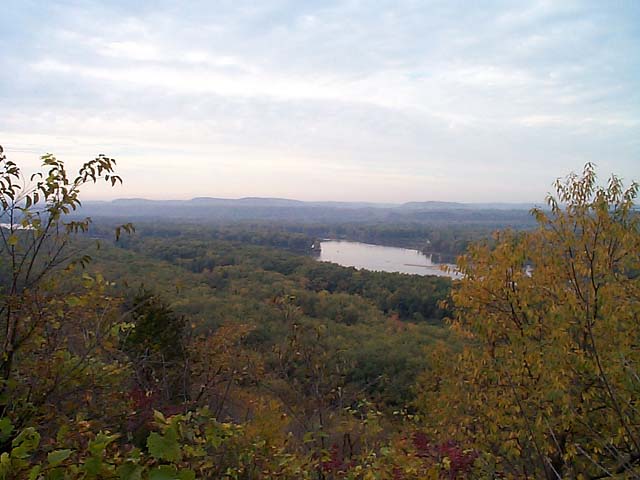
(549, 384)
(53, 342)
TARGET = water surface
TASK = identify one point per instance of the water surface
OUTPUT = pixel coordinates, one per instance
(380, 258)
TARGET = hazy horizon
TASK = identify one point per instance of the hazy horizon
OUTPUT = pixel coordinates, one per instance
(325, 101)
(354, 202)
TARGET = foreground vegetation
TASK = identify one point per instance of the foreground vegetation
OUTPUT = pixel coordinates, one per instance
(222, 353)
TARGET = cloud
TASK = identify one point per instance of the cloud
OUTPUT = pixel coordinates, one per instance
(443, 94)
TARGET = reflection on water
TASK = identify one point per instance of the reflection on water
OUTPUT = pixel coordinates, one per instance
(379, 258)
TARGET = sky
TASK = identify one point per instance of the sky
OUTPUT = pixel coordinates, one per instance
(383, 101)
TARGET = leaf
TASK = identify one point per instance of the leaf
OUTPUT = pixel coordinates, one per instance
(56, 474)
(164, 447)
(163, 472)
(187, 475)
(92, 466)
(159, 417)
(73, 301)
(56, 457)
(129, 471)
(5, 463)
(25, 443)
(99, 444)
(307, 437)
(6, 428)
(35, 472)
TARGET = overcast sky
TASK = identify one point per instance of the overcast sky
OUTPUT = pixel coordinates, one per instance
(386, 101)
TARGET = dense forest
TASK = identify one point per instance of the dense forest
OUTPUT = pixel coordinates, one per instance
(174, 349)
(341, 217)
(444, 240)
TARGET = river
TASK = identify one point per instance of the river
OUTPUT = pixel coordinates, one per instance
(380, 258)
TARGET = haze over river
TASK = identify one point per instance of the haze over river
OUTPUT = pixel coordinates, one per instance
(380, 258)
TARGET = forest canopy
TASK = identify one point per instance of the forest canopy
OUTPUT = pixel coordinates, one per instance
(234, 355)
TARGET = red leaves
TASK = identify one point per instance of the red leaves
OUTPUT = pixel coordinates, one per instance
(335, 463)
(455, 461)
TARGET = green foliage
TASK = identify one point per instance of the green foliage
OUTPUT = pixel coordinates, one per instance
(65, 338)
(359, 311)
(412, 297)
(156, 328)
(164, 447)
(195, 445)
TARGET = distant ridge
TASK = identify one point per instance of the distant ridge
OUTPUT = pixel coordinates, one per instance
(429, 205)
(432, 205)
(258, 209)
(246, 201)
